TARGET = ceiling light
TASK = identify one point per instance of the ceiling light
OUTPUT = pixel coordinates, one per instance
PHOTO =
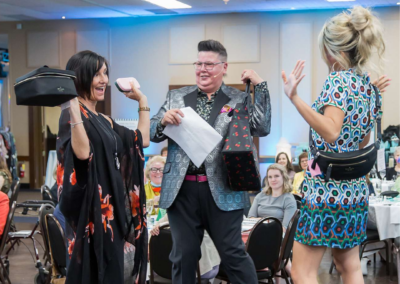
(63, 17)
(340, 0)
(293, 8)
(398, 3)
(169, 4)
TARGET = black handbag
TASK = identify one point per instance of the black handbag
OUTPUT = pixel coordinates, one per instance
(239, 152)
(45, 87)
(349, 165)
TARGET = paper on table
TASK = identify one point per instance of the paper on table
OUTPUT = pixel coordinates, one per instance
(381, 160)
(194, 135)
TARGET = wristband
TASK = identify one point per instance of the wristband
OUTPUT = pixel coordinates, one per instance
(73, 124)
(143, 109)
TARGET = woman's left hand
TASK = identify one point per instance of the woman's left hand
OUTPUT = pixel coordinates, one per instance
(251, 75)
(135, 94)
(290, 83)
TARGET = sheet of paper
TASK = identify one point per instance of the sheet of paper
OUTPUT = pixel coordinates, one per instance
(381, 160)
(194, 135)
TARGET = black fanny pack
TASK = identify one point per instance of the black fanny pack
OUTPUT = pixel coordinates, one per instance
(45, 87)
(349, 165)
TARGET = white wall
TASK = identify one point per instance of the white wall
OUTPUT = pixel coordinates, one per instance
(140, 47)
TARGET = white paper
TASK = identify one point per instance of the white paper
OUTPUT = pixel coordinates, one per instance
(194, 135)
(381, 160)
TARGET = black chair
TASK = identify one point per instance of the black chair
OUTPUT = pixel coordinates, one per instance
(14, 191)
(296, 197)
(287, 246)
(160, 266)
(57, 245)
(43, 211)
(46, 194)
(372, 237)
(4, 237)
(263, 246)
(390, 193)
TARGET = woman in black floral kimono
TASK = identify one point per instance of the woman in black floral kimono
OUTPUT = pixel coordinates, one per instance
(100, 180)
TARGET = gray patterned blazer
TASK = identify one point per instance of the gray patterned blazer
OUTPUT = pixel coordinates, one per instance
(178, 161)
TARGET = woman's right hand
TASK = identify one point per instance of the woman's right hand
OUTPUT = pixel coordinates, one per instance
(382, 83)
(290, 83)
(74, 107)
(155, 231)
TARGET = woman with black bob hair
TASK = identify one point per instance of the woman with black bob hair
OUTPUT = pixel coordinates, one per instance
(100, 181)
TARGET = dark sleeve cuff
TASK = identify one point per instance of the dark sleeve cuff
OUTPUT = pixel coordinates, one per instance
(81, 171)
(160, 127)
(262, 85)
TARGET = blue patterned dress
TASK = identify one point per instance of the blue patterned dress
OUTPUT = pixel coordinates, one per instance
(334, 213)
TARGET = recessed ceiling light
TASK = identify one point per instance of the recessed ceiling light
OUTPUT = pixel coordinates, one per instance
(340, 0)
(169, 4)
(293, 8)
(398, 3)
(63, 17)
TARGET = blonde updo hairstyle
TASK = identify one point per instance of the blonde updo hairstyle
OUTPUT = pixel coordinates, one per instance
(351, 38)
(150, 163)
(287, 186)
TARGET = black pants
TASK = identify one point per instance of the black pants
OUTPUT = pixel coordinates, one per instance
(194, 210)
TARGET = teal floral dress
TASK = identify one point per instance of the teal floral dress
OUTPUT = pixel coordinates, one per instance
(334, 213)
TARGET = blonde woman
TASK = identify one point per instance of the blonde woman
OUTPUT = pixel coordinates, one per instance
(154, 174)
(334, 213)
(275, 200)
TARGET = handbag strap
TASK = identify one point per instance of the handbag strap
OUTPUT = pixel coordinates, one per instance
(313, 149)
(247, 91)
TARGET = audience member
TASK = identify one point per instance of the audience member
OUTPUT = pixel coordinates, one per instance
(5, 176)
(164, 152)
(370, 185)
(299, 177)
(154, 174)
(276, 199)
(394, 172)
(4, 209)
(283, 159)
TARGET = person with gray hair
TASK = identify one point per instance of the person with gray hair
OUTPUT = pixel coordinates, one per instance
(200, 198)
(394, 172)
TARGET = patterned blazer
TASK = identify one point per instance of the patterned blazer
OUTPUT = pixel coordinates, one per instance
(178, 161)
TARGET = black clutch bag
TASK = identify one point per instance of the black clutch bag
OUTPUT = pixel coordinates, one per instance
(45, 87)
(349, 165)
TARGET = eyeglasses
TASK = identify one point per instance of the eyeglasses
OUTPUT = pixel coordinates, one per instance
(207, 65)
(154, 170)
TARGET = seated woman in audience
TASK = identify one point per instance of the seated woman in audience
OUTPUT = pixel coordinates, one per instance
(276, 199)
(394, 172)
(4, 209)
(299, 177)
(283, 159)
(154, 174)
(5, 176)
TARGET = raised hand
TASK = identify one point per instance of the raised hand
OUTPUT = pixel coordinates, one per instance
(135, 94)
(382, 83)
(251, 75)
(290, 83)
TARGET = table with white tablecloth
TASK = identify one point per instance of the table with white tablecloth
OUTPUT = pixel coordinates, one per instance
(384, 216)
